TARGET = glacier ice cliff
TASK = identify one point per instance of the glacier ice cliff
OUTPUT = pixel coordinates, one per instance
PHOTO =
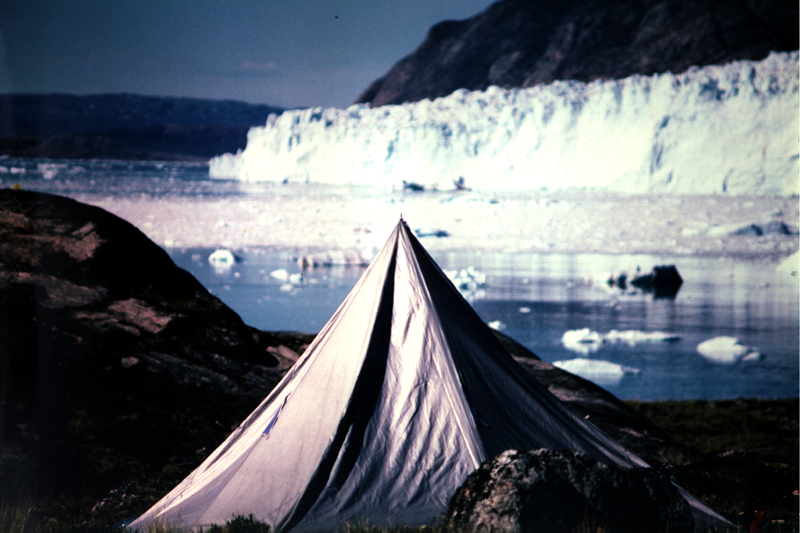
(719, 129)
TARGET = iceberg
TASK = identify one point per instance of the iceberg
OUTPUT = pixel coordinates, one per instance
(726, 350)
(222, 259)
(598, 371)
(586, 341)
(718, 129)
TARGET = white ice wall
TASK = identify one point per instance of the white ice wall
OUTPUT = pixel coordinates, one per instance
(730, 128)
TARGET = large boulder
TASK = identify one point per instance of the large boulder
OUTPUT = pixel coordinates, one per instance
(554, 491)
(116, 365)
(516, 43)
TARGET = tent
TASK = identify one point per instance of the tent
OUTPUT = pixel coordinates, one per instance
(403, 393)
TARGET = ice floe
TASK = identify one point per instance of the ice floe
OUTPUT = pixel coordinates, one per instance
(353, 257)
(467, 279)
(222, 259)
(727, 350)
(586, 341)
(598, 371)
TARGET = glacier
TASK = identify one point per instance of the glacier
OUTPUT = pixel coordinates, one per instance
(729, 128)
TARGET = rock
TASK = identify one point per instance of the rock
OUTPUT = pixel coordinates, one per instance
(662, 281)
(518, 43)
(548, 490)
(750, 229)
(777, 227)
(115, 362)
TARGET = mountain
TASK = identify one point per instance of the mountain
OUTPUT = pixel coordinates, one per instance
(124, 126)
(523, 43)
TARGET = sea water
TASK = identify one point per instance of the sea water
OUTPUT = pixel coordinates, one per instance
(534, 298)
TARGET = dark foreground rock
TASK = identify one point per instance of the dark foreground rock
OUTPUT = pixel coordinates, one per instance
(115, 364)
(555, 491)
(521, 43)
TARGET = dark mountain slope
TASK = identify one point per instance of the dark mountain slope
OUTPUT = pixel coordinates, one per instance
(124, 126)
(522, 43)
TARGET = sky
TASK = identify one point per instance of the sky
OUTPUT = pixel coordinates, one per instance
(289, 53)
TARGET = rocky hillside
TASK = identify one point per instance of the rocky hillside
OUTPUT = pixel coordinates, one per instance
(116, 364)
(522, 43)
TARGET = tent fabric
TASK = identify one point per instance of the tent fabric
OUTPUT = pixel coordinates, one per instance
(402, 395)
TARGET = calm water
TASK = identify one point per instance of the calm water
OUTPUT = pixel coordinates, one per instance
(538, 297)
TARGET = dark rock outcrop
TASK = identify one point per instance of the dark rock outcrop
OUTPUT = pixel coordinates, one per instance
(522, 43)
(114, 362)
(547, 490)
(663, 281)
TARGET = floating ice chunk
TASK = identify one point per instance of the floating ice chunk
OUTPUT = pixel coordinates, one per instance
(633, 337)
(725, 350)
(496, 324)
(280, 274)
(360, 257)
(222, 259)
(467, 279)
(524, 310)
(469, 282)
(50, 170)
(790, 265)
(583, 341)
(598, 371)
(586, 341)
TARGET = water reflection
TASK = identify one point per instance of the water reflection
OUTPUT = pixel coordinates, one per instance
(539, 297)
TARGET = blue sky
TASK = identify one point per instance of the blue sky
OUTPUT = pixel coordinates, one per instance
(285, 53)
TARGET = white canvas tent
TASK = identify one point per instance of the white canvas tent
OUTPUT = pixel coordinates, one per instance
(403, 393)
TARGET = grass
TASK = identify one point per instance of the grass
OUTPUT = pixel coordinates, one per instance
(739, 456)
